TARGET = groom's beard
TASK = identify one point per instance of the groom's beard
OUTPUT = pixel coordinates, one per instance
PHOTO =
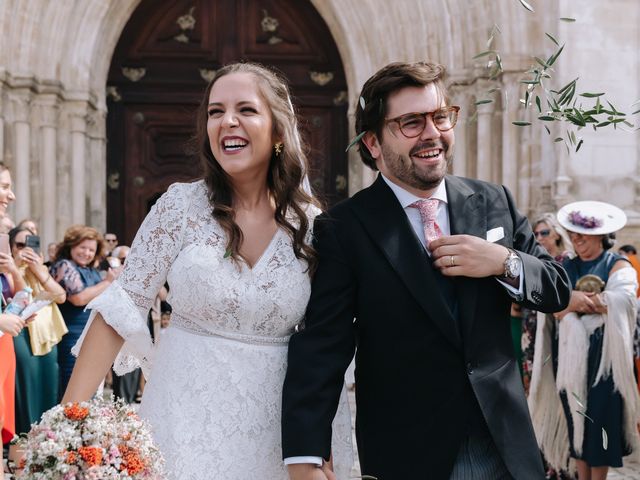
(409, 170)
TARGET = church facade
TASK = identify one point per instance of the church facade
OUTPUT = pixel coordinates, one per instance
(97, 96)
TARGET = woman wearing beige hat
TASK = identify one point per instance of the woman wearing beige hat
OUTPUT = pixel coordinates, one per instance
(583, 399)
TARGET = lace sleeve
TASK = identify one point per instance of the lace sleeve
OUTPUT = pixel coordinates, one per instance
(126, 303)
(157, 244)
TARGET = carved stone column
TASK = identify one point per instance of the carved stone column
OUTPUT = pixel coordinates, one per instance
(562, 181)
(360, 176)
(511, 135)
(2, 114)
(485, 147)
(78, 159)
(20, 104)
(96, 170)
(47, 114)
(460, 95)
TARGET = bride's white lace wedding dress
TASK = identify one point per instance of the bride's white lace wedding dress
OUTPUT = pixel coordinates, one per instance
(215, 378)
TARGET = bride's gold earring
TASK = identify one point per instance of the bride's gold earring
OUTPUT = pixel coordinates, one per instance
(278, 148)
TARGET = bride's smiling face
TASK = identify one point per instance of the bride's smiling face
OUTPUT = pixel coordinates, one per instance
(240, 125)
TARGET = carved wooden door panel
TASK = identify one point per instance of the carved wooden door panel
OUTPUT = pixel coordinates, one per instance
(161, 66)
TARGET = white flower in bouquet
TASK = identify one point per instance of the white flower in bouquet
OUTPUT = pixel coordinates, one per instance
(101, 440)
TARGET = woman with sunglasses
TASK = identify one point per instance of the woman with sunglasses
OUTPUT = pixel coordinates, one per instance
(553, 237)
(36, 346)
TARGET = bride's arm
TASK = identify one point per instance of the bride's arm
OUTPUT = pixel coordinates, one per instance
(99, 350)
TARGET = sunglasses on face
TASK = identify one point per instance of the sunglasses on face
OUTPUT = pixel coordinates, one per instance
(20, 245)
(542, 233)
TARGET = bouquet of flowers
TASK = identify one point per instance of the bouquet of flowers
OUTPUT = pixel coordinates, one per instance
(100, 439)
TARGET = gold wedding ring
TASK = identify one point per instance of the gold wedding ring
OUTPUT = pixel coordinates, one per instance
(452, 261)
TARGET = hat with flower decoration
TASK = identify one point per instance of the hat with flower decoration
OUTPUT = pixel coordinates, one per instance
(591, 218)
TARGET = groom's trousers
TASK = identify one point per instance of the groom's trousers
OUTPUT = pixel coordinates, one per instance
(479, 459)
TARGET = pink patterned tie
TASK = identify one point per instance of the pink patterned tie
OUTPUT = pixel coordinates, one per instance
(428, 209)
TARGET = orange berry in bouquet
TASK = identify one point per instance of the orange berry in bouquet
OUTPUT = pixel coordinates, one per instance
(100, 439)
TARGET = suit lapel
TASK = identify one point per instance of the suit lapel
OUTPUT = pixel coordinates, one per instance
(383, 217)
(467, 215)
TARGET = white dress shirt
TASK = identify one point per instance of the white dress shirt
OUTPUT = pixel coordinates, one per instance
(442, 219)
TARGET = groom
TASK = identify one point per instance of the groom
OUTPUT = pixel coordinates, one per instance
(418, 272)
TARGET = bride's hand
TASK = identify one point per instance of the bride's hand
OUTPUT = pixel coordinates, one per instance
(309, 471)
(327, 468)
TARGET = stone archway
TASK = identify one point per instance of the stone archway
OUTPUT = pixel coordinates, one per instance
(163, 61)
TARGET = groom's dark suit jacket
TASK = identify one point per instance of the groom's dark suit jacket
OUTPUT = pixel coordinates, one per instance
(423, 374)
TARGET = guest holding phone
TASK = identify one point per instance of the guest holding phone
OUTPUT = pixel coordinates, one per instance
(74, 270)
(36, 346)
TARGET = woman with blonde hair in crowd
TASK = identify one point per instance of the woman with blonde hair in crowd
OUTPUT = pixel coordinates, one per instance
(36, 346)
(555, 239)
(29, 224)
(74, 270)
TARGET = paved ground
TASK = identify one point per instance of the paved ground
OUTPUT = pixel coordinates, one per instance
(630, 471)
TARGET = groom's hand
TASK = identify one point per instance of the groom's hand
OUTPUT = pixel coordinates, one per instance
(308, 471)
(468, 256)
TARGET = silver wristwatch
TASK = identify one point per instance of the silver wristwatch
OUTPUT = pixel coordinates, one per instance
(512, 265)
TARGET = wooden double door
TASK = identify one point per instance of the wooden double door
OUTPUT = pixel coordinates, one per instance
(161, 66)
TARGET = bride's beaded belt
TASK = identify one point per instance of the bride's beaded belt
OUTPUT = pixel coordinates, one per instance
(188, 325)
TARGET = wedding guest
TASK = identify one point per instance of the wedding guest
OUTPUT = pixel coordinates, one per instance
(36, 346)
(631, 254)
(29, 224)
(75, 272)
(111, 242)
(584, 398)
(555, 240)
(9, 325)
(52, 249)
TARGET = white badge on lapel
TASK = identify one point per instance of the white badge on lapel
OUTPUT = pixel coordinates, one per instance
(495, 234)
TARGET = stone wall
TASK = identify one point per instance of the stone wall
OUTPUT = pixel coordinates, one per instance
(55, 57)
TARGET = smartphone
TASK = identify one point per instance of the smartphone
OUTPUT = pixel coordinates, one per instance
(33, 241)
(4, 243)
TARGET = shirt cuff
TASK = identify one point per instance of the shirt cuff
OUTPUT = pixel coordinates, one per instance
(516, 293)
(294, 460)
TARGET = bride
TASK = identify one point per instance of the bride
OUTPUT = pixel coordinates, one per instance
(235, 250)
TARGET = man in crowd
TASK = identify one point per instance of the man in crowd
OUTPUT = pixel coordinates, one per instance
(111, 241)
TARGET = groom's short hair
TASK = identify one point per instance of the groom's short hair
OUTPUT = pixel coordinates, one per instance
(385, 81)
